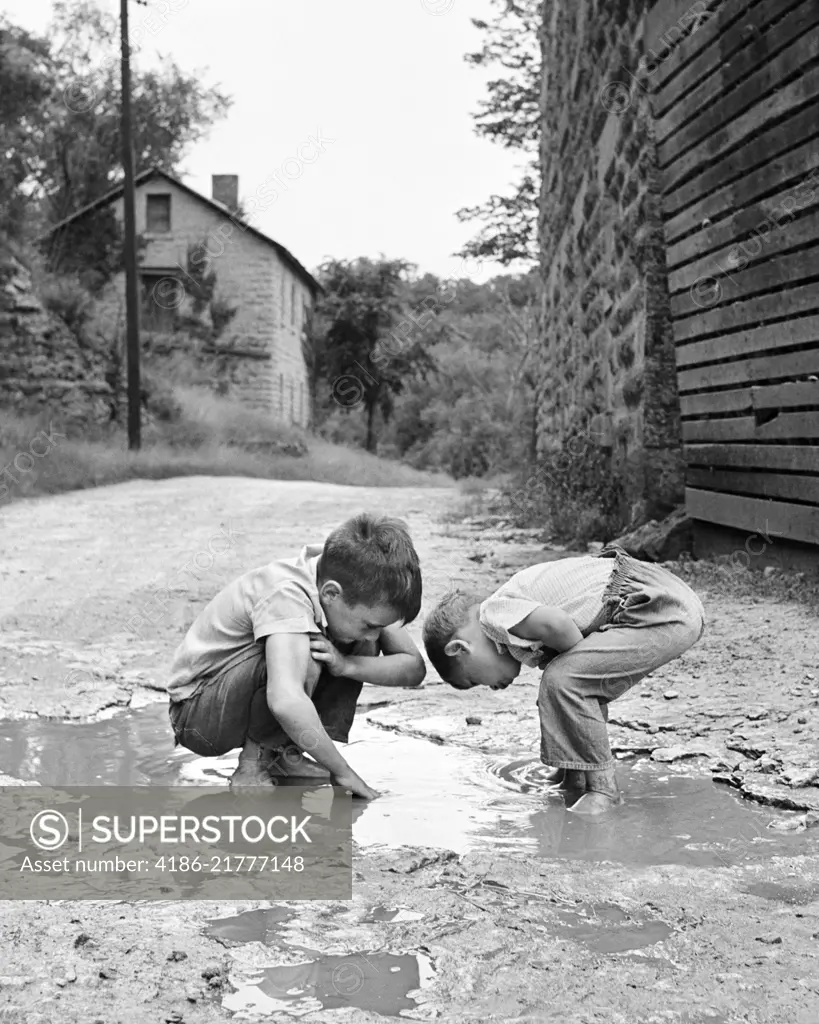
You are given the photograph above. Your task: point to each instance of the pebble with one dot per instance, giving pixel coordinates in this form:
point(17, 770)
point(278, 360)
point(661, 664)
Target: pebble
point(177, 955)
point(770, 940)
point(473, 720)
point(755, 716)
point(191, 995)
point(671, 694)
point(802, 719)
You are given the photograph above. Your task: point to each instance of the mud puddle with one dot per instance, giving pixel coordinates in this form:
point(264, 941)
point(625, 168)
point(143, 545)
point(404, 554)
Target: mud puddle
point(378, 982)
point(440, 796)
point(381, 982)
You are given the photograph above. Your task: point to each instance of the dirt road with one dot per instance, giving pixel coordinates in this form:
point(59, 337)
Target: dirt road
point(97, 587)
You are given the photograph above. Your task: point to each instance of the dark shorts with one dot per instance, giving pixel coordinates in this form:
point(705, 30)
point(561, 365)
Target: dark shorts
point(232, 707)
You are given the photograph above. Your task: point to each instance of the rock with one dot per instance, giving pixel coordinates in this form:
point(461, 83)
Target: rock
point(768, 571)
point(176, 955)
point(473, 720)
point(802, 719)
point(671, 694)
point(191, 995)
point(660, 541)
point(780, 796)
point(798, 778)
point(770, 940)
point(755, 716)
point(678, 752)
point(788, 824)
point(211, 971)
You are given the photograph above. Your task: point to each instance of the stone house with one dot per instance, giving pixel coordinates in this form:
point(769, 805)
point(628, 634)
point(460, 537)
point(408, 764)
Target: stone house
point(260, 350)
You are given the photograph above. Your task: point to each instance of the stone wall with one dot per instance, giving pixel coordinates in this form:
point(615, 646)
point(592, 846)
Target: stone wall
point(43, 366)
point(607, 355)
point(260, 350)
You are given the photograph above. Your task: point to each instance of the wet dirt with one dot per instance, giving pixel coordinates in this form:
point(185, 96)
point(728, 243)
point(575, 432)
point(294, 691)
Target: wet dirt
point(436, 796)
point(683, 909)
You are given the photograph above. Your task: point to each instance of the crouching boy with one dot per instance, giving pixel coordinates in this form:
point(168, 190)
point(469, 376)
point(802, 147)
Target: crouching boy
point(275, 662)
point(596, 624)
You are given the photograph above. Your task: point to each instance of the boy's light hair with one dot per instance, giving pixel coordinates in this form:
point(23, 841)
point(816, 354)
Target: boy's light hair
point(442, 623)
point(374, 561)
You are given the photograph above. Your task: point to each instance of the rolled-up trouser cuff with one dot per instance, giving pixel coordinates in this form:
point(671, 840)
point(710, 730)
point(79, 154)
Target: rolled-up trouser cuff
point(579, 766)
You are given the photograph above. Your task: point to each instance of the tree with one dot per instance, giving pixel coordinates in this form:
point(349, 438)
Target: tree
point(59, 116)
point(365, 346)
point(25, 88)
point(510, 116)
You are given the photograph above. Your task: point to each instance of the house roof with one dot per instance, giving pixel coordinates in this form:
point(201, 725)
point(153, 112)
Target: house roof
point(157, 172)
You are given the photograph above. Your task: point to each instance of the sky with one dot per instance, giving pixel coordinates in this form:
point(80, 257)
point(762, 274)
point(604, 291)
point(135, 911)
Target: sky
point(381, 85)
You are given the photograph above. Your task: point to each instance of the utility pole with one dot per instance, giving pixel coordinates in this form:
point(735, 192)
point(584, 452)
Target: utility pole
point(131, 280)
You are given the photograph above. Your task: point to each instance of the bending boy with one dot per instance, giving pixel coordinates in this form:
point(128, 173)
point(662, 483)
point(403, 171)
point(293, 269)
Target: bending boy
point(275, 662)
point(596, 624)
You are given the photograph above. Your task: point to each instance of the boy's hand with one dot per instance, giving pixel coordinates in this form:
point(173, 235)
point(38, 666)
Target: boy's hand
point(324, 651)
point(356, 785)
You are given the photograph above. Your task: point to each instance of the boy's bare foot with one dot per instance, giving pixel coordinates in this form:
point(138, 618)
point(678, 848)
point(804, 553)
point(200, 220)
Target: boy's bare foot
point(602, 793)
point(593, 804)
point(251, 772)
point(291, 763)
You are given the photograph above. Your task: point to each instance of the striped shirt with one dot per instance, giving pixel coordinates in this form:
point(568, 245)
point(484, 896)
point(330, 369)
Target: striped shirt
point(575, 585)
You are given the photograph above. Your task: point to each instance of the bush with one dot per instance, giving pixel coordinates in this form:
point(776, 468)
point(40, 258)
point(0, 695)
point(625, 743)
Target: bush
point(67, 298)
point(576, 492)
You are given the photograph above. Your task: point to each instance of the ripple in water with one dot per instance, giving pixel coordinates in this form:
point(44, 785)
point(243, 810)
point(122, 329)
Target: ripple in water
point(525, 775)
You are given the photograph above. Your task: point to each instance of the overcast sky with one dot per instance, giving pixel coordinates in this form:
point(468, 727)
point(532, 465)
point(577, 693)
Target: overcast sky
point(385, 80)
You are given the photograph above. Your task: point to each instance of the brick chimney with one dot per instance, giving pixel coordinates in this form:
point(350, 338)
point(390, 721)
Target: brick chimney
point(225, 189)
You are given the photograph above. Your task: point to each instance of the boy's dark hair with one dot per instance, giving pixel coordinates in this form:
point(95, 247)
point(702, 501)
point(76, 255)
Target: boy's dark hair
point(442, 623)
point(374, 561)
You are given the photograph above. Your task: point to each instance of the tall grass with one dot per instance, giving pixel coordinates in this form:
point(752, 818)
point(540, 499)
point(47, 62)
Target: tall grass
point(211, 437)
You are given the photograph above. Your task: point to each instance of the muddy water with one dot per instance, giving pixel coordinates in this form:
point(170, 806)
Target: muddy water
point(432, 795)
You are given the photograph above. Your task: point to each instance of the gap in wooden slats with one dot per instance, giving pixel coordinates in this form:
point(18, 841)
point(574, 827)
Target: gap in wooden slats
point(776, 274)
point(752, 63)
point(756, 515)
point(682, 69)
point(796, 426)
point(789, 334)
point(780, 305)
point(686, 207)
point(792, 457)
point(743, 220)
point(779, 104)
point(793, 487)
point(757, 370)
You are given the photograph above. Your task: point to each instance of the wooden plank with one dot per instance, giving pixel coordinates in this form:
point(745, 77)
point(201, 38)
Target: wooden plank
point(763, 193)
point(787, 426)
point(786, 396)
point(801, 331)
point(687, 63)
point(737, 400)
point(749, 371)
point(782, 270)
point(804, 299)
point(775, 106)
point(752, 237)
point(736, 428)
point(756, 515)
point(729, 184)
point(717, 99)
point(785, 486)
point(797, 457)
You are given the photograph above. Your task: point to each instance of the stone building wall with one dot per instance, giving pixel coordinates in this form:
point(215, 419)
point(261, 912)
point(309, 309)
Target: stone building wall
point(43, 366)
point(607, 366)
point(260, 351)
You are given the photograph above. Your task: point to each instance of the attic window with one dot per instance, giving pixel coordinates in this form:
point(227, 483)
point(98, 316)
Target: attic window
point(158, 214)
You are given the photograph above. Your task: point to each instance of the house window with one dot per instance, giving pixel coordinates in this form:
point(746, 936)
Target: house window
point(162, 295)
point(158, 214)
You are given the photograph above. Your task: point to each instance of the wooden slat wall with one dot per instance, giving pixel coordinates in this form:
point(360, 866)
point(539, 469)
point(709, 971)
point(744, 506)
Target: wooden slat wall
point(736, 107)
